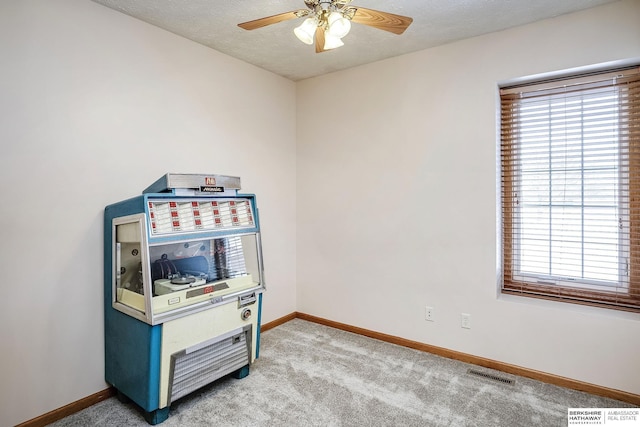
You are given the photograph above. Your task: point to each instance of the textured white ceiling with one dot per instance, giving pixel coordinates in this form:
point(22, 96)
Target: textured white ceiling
point(275, 48)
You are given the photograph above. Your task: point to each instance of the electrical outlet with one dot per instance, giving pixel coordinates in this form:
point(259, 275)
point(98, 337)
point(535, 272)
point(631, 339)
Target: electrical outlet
point(428, 314)
point(465, 320)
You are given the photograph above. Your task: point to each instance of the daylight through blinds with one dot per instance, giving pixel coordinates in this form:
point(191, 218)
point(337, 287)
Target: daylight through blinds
point(570, 187)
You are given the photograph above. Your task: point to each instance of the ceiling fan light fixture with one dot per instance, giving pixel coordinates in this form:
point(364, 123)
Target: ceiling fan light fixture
point(306, 31)
point(339, 26)
point(331, 42)
point(328, 21)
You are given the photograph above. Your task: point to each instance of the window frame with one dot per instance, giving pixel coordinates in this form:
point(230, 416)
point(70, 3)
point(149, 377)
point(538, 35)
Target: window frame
point(625, 295)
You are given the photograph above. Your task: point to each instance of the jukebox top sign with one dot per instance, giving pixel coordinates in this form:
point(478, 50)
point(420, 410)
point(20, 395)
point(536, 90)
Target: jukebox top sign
point(189, 243)
point(176, 182)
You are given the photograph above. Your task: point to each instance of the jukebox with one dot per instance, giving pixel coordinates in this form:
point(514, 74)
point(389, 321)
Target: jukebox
point(183, 289)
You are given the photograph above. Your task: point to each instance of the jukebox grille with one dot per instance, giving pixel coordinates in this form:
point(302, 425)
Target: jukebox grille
point(191, 370)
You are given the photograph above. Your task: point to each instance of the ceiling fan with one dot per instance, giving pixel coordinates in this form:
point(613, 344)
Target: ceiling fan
point(330, 20)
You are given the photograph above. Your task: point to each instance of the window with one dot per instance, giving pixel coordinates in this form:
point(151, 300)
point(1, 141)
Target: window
point(570, 181)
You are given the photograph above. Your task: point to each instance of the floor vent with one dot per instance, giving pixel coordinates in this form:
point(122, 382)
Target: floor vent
point(492, 377)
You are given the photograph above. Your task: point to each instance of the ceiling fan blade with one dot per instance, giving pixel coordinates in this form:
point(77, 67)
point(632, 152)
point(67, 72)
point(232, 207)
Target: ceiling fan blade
point(381, 20)
point(319, 39)
point(263, 22)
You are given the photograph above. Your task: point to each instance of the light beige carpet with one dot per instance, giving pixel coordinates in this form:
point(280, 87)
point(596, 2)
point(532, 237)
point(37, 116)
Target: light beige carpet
point(313, 375)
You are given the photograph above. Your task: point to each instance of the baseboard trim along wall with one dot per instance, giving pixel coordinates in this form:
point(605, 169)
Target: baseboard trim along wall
point(481, 361)
point(70, 409)
point(278, 322)
point(77, 406)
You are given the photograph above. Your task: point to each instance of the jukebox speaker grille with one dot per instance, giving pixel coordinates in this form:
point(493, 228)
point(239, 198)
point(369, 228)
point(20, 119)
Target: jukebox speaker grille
point(199, 366)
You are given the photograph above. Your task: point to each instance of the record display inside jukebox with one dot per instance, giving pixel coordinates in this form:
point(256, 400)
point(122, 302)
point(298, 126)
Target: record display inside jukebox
point(186, 272)
point(183, 289)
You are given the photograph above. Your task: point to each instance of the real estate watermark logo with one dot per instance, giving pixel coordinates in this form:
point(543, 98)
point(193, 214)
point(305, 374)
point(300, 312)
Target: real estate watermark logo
point(622, 417)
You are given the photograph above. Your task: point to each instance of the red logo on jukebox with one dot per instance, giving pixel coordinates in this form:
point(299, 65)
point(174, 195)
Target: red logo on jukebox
point(209, 180)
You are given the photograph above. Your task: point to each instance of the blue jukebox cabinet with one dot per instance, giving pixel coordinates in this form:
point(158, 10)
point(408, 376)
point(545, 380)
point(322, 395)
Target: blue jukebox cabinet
point(183, 289)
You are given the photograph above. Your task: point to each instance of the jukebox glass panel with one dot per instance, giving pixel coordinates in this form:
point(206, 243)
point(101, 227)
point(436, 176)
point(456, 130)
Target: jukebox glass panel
point(187, 272)
point(128, 265)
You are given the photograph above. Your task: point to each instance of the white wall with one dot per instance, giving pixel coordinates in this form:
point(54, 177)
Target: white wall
point(397, 213)
point(95, 106)
point(397, 200)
